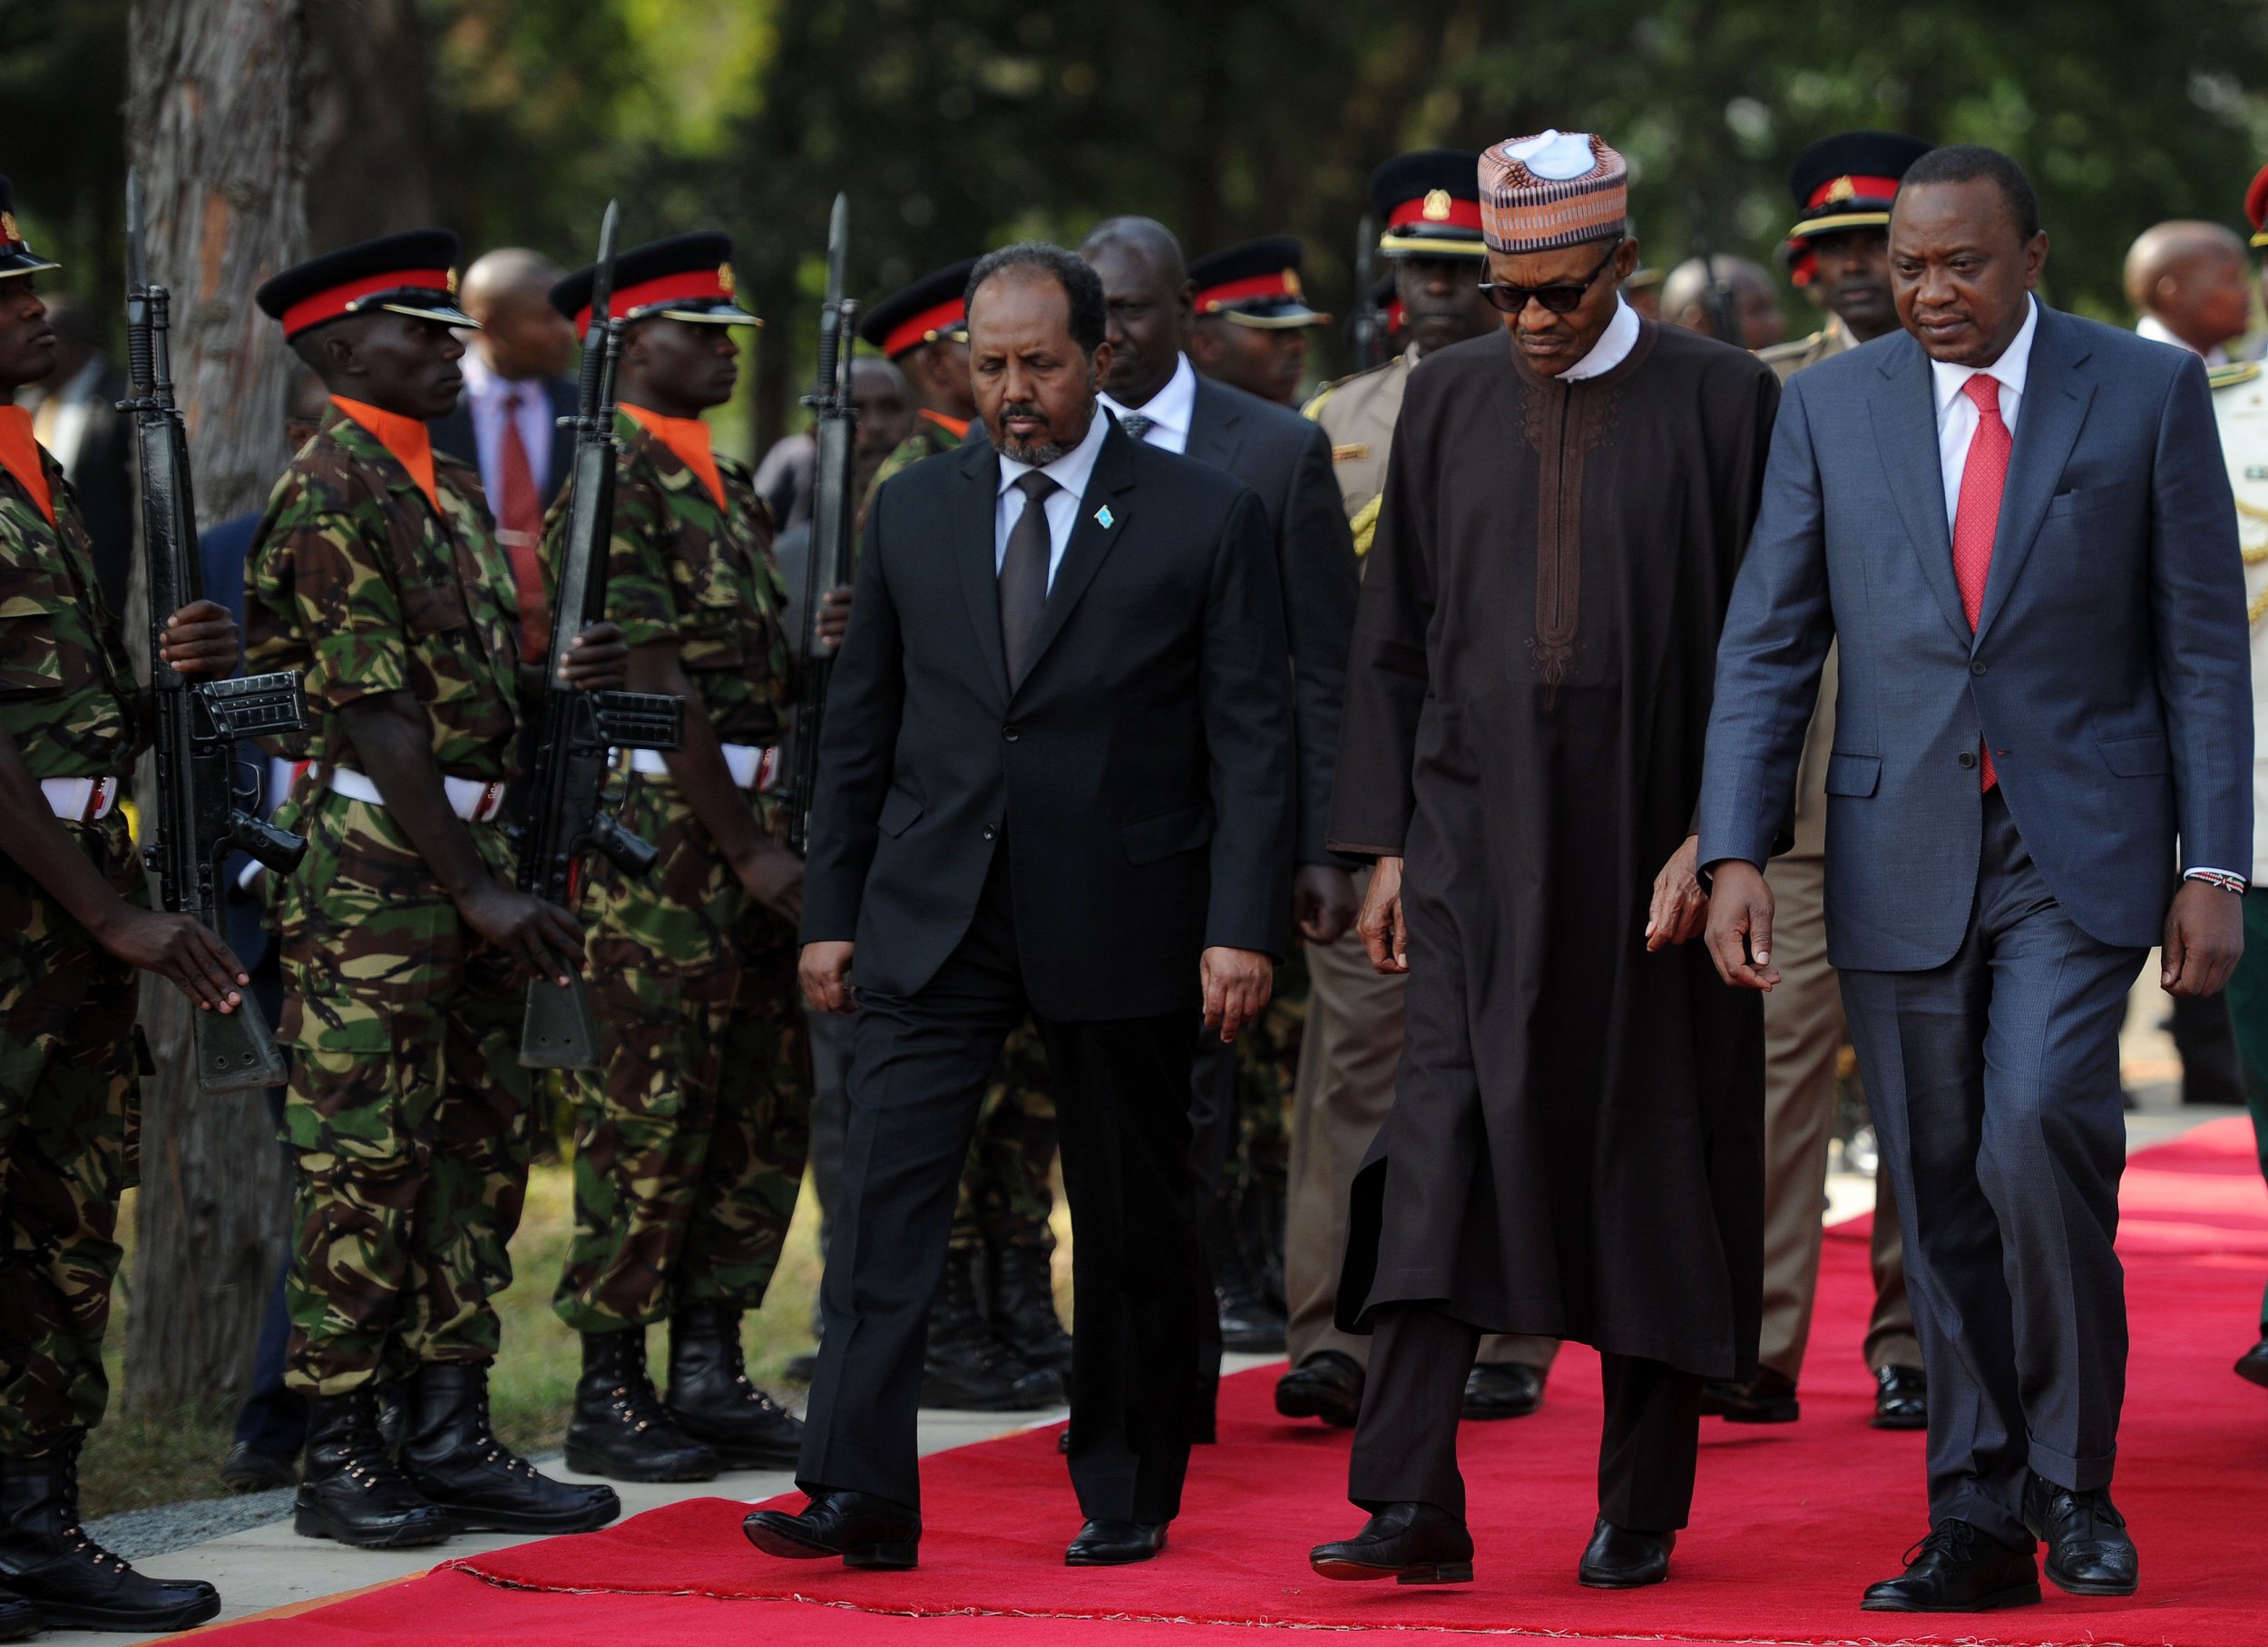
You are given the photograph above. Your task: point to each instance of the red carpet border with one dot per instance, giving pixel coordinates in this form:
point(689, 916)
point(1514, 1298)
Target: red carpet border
point(1791, 1523)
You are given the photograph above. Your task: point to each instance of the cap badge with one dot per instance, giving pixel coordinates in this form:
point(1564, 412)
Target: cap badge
point(1842, 188)
point(7, 227)
point(1291, 281)
point(1436, 209)
point(453, 283)
point(724, 277)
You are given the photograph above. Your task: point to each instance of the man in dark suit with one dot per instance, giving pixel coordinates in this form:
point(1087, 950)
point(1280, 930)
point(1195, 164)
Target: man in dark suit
point(1055, 782)
point(2017, 527)
point(1160, 398)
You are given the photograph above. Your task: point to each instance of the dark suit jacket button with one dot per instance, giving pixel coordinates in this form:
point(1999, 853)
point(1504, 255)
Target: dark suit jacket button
point(1968, 758)
point(1009, 733)
point(1976, 669)
point(990, 833)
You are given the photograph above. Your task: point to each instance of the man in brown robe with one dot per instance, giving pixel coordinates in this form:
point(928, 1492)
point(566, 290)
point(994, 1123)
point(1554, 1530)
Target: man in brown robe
point(1574, 1148)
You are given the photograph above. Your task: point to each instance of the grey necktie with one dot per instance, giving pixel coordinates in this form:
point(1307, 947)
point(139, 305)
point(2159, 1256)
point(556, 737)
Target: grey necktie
point(1136, 425)
point(1024, 573)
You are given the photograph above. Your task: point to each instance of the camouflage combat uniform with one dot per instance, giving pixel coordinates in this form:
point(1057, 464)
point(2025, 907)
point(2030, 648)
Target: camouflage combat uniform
point(690, 1138)
point(408, 1112)
point(68, 1051)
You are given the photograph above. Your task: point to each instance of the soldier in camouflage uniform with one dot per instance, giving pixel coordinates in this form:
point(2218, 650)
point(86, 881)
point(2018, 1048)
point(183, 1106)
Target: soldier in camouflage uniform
point(995, 1341)
point(690, 1138)
point(75, 926)
point(376, 572)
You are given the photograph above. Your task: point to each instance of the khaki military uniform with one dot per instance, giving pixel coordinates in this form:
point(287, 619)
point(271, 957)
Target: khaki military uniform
point(69, 1092)
point(691, 1137)
point(1352, 1042)
point(1804, 1035)
point(408, 1113)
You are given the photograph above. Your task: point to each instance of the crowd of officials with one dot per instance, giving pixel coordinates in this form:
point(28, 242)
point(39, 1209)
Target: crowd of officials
point(1285, 817)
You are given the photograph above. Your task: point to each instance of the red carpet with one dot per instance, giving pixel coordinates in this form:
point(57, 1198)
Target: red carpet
point(1790, 1523)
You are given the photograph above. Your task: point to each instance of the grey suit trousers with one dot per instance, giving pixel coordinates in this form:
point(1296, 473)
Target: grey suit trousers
point(1994, 1080)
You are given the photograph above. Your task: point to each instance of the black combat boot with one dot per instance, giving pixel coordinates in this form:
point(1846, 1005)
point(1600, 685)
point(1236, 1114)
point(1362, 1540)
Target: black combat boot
point(968, 1367)
point(620, 1428)
point(712, 1399)
point(19, 1620)
point(1248, 1320)
point(1262, 1211)
point(350, 1488)
point(1020, 1288)
point(452, 1457)
point(56, 1575)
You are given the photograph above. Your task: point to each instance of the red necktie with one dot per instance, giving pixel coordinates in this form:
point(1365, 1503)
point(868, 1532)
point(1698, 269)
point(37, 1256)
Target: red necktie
point(1976, 517)
point(520, 511)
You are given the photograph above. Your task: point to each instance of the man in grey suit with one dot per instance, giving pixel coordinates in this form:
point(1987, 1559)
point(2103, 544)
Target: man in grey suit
point(2016, 526)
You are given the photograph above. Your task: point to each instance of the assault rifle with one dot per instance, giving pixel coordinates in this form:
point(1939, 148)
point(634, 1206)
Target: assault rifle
point(197, 822)
point(834, 421)
point(577, 731)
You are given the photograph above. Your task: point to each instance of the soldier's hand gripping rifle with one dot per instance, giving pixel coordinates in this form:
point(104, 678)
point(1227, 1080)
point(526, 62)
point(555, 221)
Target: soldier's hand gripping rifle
point(576, 731)
point(833, 508)
point(196, 823)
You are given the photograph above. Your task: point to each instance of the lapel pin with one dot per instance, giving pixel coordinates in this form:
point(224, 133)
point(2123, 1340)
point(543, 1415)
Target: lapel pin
point(1105, 519)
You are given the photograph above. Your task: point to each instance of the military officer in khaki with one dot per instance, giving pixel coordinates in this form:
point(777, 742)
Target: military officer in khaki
point(1842, 186)
point(1429, 204)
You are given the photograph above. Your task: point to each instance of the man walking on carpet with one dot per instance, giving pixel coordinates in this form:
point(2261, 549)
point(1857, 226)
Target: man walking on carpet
point(2015, 527)
point(1576, 1143)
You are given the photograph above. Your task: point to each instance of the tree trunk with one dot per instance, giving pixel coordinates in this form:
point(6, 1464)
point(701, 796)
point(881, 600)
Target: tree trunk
point(213, 112)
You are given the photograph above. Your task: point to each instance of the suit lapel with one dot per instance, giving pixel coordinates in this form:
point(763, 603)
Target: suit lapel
point(1904, 408)
point(2056, 399)
point(974, 517)
point(1214, 431)
point(1091, 541)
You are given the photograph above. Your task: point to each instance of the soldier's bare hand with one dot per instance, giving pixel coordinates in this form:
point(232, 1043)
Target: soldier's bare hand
point(773, 876)
point(1385, 936)
point(541, 938)
point(176, 946)
point(200, 642)
point(835, 608)
point(825, 972)
point(1323, 902)
point(2204, 940)
point(1740, 926)
point(1236, 985)
point(596, 660)
point(1679, 911)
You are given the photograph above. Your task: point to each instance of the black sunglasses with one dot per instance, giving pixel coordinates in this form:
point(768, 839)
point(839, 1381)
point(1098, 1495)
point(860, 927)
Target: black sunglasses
point(1561, 297)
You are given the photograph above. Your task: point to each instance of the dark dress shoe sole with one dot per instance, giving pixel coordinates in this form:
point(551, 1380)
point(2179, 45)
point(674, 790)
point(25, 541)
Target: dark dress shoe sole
point(2253, 1369)
point(777, 1533)
point(2090, 1586)
point(407, 1535)
point(1334, 1407)
point(1899, 1420)
point(1112, 1556)
point(2015, 1595)
point(1595, 1578)
point(66, 1615)
point(586, 1462)
point(1763, 1412)
point(1417, 1572)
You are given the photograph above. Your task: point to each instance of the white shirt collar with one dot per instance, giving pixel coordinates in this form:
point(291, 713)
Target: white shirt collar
point(480, 380)
point(2011, 368)
point(1172, 408)
point(2157, 331)
point(1071, 470)
point(1613, 347)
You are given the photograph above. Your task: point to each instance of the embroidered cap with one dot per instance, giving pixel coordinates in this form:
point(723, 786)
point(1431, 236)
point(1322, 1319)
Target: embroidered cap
point(1555, 189)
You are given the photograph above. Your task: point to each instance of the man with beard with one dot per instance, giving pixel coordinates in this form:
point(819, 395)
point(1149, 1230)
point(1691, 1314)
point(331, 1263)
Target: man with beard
point(1841, 254)
point(1055, 784)
point(1429, 203)
point(1249, 317)
point(1575, 1146)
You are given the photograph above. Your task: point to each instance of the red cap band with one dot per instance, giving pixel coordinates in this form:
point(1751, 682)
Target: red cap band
point(667, 289)
point(339, 299)
point(1853, 189)
point(1284, 283)
point(1461, 214)
point(922, 328)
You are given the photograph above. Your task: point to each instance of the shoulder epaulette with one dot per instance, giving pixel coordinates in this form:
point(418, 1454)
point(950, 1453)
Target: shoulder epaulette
point(1313, 410)
point(2233, 374)
point(1791, 350)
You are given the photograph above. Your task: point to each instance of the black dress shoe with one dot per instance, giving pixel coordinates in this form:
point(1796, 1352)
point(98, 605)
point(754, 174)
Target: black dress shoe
point(18, 1619)
point(2089, 1551)
point(1411, 1544)
point(1328, 1385)
point(864, 1530)
point(1901, 1399)
point(247, 1469)
point(455, 1460)
point(1115, 1543)
point(52, 1570)
point(1769, 1398)
point(620, 1429)
point(1619, 1558)
point(1502, 1389)
point(2252, 1365)
point(353, 1490)
point(1958, 1569)
point(713, 1399)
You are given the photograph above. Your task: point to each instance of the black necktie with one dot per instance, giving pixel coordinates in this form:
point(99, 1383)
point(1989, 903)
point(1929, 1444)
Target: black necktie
point(1024, 573)
point(1136, 425)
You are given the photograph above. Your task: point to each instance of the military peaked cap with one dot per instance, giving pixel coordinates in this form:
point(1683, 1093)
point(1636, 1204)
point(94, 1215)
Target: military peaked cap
point(931, 309)
point(1255, 283)
point(1428, 204)
point(411, 273)
point(16, 256)
point(682, 278)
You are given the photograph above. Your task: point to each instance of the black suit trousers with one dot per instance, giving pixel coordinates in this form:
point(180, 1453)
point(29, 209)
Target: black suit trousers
point(918, 1074)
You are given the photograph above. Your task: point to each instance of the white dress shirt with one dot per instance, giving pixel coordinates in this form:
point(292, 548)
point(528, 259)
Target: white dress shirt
point(484, 396)
point(1613, 347)
point(1169, 411)
point(1957, 414)
point(1070, 473)
point(2157, 331)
